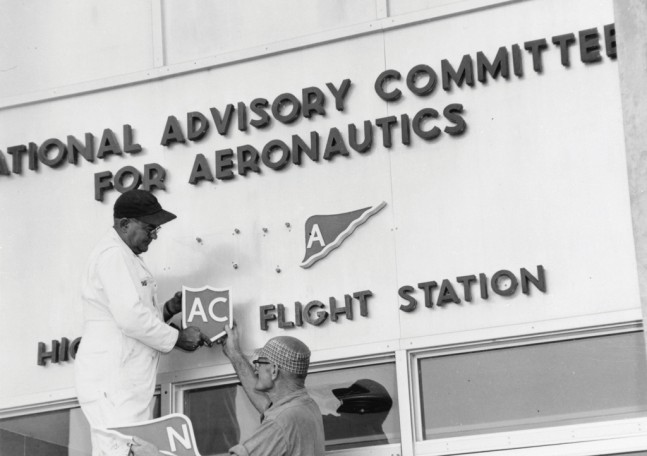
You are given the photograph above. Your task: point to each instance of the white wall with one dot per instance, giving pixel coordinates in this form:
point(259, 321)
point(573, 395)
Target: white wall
point(48, 45)
point(230, 26)
point(632, 17)
point(539, 177)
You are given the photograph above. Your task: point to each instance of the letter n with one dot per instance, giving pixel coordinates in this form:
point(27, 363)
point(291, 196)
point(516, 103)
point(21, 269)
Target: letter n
point(173, 435)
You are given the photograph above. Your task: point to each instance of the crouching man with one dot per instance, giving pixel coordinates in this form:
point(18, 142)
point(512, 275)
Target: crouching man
point(291, 423)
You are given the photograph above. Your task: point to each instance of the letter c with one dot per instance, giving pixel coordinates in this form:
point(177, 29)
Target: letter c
point(379, 85)
point(213, 315)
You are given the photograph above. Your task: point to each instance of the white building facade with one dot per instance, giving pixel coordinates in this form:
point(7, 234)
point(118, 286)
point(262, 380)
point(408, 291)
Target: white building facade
point(443, 199)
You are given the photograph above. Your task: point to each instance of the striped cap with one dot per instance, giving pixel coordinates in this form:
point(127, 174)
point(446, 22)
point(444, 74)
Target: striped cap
point(289, 353)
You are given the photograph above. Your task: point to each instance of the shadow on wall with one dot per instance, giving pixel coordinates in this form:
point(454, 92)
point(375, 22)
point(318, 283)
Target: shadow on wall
point(358, 421)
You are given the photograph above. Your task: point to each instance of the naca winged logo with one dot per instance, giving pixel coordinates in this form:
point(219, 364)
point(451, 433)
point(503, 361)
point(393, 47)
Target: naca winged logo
point(172, 434)
point(210, 309)
point(324, 233)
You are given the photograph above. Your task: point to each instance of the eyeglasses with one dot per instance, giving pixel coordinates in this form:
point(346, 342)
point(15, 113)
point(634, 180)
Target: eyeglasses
point(258, 362)
point(150, 230)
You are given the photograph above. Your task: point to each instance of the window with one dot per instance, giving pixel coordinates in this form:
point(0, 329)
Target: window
point(220, 415)
point(58, 433)
point(359, 408)
point(63, 432)
point(565, 382)
point(359, 405)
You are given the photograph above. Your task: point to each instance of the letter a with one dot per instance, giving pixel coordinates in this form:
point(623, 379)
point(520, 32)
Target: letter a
point(172, 131)
point(197, 309)
point(315, 236)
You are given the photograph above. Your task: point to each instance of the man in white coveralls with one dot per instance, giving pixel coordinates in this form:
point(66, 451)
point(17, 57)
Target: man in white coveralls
point(124, 327)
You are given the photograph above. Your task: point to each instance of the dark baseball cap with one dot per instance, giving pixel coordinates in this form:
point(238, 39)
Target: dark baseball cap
point(143, 206)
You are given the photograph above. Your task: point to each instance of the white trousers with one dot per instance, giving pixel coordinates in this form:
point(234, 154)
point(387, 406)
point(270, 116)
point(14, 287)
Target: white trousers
point(103, 414)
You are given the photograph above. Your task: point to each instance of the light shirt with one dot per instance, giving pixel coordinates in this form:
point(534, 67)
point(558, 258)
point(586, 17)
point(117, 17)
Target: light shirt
point(123, 331)
point(291, 427)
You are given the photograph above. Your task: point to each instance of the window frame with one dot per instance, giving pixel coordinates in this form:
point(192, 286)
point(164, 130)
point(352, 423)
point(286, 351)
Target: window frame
point(191, 382)
point(602, 437)
point(40, 407)
point(598, 438)
point(58, 405)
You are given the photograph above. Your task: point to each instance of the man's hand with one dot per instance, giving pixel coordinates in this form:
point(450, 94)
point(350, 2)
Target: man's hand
point(191, 338)
point(143, 448)
point(173, 306)
point(229, 342)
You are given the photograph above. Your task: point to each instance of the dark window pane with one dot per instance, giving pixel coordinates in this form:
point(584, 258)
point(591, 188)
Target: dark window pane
point(550, 384)
point(157, 406)
point(214, 417)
